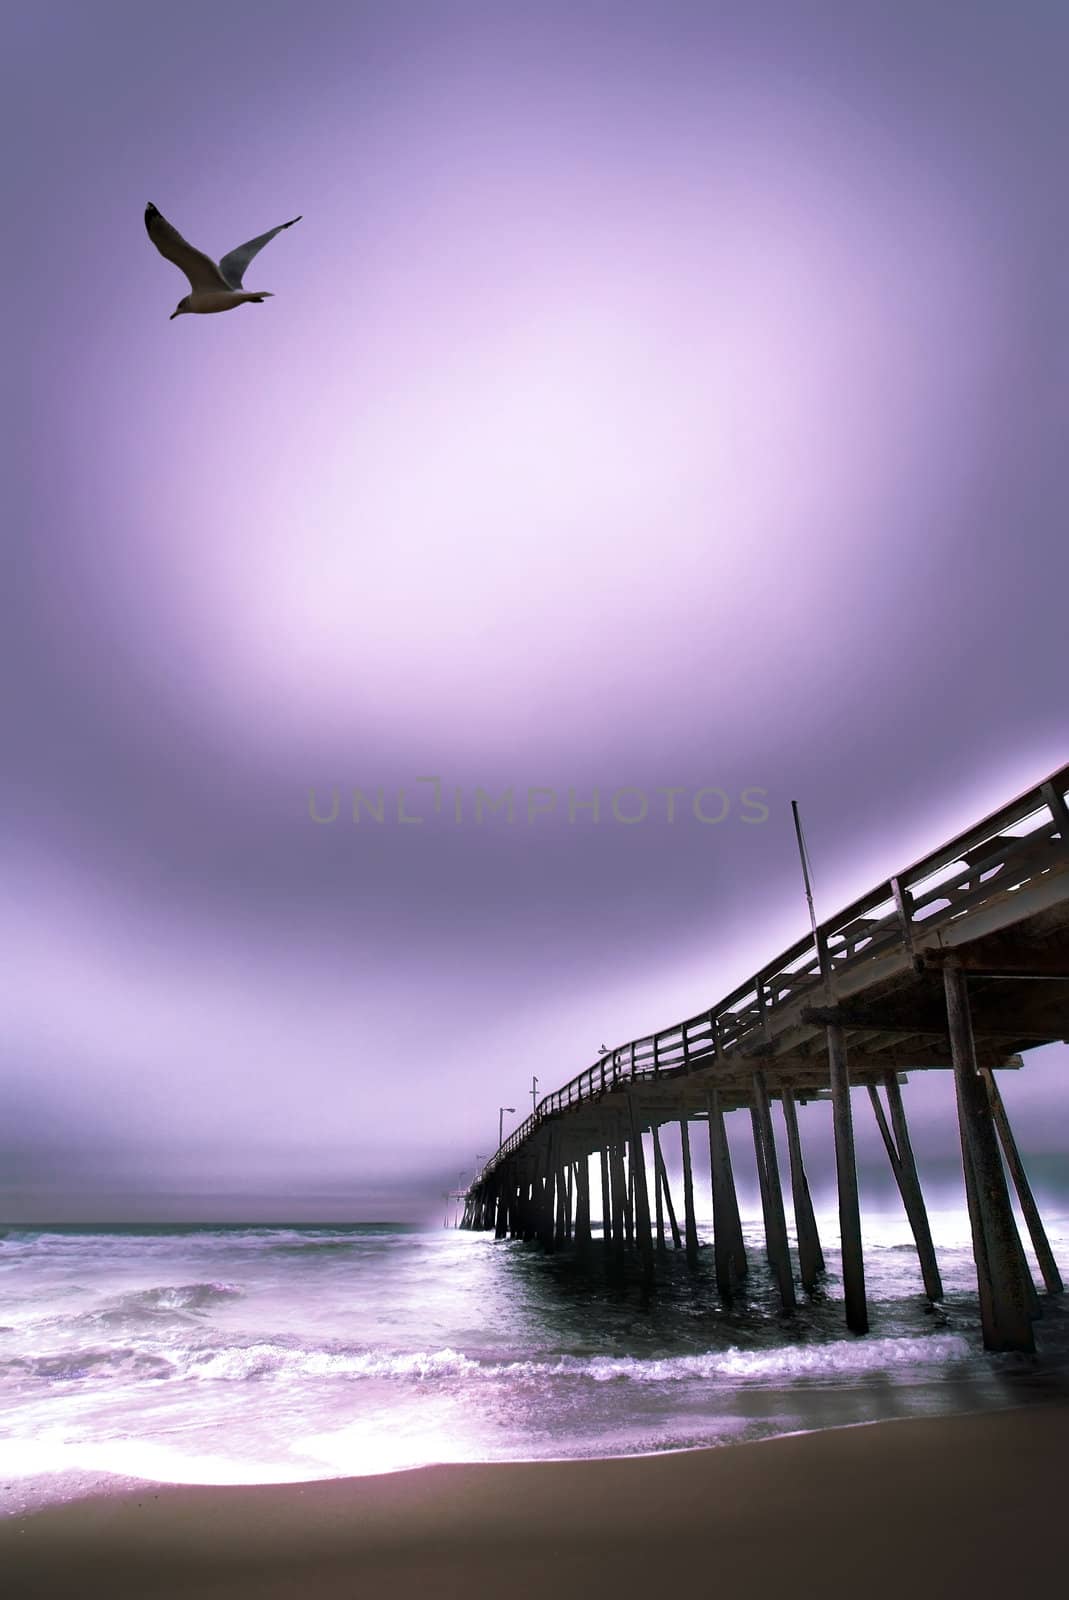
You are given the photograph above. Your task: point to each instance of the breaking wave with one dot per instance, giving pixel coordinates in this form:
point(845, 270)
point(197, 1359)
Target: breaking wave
point(829, 1363)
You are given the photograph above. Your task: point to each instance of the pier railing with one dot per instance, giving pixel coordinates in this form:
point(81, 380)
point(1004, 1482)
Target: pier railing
point(1012, 847)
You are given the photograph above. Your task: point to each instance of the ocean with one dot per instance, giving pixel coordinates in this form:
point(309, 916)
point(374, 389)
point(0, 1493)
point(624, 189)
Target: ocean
point(282, 1354)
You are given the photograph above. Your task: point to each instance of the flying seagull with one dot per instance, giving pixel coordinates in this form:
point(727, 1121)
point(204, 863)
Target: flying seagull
point(215, 287)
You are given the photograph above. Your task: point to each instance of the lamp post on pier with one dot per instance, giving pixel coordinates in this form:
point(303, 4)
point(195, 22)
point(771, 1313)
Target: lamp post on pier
point(501, 1123)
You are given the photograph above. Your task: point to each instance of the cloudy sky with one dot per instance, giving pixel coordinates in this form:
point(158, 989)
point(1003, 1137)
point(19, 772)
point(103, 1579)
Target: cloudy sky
point(654, 396)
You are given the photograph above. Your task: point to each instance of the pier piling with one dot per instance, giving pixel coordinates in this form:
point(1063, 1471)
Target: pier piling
point(642, 1200)
point(857, 1313)
point(810, 1255)
point(1052, 1279)
point(662, 1179)
point(772, 1193)
point(728, 1248)
point(689, 1222)
point(904, 1166)
point(657, 1195)
point(1005, 1309)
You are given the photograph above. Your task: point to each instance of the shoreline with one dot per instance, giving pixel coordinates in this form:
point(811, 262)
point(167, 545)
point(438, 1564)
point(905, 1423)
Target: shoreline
point(967, 1501)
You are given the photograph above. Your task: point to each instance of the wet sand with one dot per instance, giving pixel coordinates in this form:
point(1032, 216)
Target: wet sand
point(948, 1507)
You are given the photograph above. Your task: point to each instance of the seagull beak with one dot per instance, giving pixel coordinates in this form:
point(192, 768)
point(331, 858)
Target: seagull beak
point(172, 316)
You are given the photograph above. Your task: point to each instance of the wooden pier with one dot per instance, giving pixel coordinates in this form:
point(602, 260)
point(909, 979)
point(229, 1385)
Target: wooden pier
point(958, 963)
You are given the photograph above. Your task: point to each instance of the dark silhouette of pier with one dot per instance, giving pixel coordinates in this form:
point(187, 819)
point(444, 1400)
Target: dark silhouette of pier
point(960, 962)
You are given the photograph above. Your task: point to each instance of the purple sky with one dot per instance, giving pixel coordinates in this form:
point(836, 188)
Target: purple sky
point(654, 395)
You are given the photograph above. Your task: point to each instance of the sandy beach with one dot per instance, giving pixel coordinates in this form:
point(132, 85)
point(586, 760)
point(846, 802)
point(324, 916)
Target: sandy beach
point(959, 1505)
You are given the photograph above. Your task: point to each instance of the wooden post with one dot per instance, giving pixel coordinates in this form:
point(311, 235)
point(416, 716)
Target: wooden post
point(661, 1177)
point(502, 1228)
point(1007, 1323)
point(569, 1196)
point(546, 1196)
point(775, 1220)
point(857, 1315)
point(619, 1196)
point(629, 1204)
point(658, 1162)
point(582, 1204)
point(762, 1180)
point(983, 1267)
point(560, 1195)
point(810, 1255)
point(904, 1166)
point(728, 1247)
point(1052, 1279)
point(606, 1203)
point(642, 1198)
point(689, 1222)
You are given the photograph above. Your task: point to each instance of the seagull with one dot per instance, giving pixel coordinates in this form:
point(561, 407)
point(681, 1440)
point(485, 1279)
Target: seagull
point(215, 287)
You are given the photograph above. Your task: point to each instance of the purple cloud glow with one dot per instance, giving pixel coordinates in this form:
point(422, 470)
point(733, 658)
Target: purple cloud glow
point(651, 396)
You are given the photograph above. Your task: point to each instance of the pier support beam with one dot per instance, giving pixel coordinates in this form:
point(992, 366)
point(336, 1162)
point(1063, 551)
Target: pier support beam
point(904, 1166)
point(606, 1203)
point(619, 1197)
point(643, 1234)
point(772, 1192)
point(1052, 1279)
point(657, 1195)
point(582, 1204)
point(689, 1223)
point(857, 1315)
point(662, 1180)
point(728, 1248)
point(530, 1205)
point(557, 1191)
point(546, 1194)
point(810, 1255)
point(1005, 1310)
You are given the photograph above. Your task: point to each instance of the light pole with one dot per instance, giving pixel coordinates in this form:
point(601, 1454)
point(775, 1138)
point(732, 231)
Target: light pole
point(534, 1095)
point(501, 1123)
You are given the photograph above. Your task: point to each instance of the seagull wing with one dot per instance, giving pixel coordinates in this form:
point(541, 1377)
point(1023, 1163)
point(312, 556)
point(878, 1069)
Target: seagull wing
point(200, 269)
point(234, 263)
